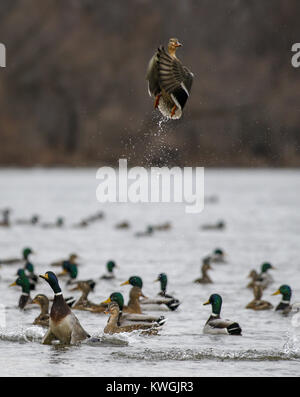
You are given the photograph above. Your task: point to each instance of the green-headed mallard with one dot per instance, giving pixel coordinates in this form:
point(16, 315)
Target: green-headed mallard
point(169, 82)
point(83, 303)
point(126, 317)
point(164, 299)
point(285, 304)
point(265, 278)
point(218, 256)
point(215, 325)
point(134, 294)
point(26, 252)
point(148, 232)
point(21, 273)
point(63, 324)
point(257, 303)
point(25, 298)
point(110, 265)
point(112, 326)
point(205, 279)
point(34, 220)
point(43, 317)
point(58, 223)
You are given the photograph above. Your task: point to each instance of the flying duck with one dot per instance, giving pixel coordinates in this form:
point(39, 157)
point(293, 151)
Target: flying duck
point(169, 82)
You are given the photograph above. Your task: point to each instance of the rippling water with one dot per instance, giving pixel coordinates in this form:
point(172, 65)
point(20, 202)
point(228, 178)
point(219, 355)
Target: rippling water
point(261, 210)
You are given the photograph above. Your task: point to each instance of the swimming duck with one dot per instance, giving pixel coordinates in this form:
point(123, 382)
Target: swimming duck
point(110, 265)
point(58, 223)
point(25, 257)
point(32, 221)
point(72, 259)
point(162, 226)
point(218, 226)
point(43, 317)
point(265, 278)
point(134, 294)
point(25, 298)
point(257, 303)
point(284, 306)
point(169, 82)
point(148, 232)
point(165, 299)
point(63, 324)
point(83, 303)
point(112, 326)
point(218, 256)
point(69, 269)
point(205, 279)
point(254, 276)
point(123, 225)
point(21, 273)
point(126, 317)
point(215, 325)
point(6, 218)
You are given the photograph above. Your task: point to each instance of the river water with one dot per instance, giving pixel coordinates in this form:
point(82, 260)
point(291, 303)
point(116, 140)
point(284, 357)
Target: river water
point(261, 211)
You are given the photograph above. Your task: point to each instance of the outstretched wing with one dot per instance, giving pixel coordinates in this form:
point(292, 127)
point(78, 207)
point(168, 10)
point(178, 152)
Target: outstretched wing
point(152, 76)
point(175, 79)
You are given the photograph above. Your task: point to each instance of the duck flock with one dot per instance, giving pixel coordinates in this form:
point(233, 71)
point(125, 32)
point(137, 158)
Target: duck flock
point(61, 324)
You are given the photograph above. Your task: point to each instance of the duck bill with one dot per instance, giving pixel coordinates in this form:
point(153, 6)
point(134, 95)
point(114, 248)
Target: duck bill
point(44, 276)
point(34, 301)
point(276, 293)
point(107, 301)
point(125, 283)
point(206, 303)
point(63, 273)
point(13, 284)
point(178, 44)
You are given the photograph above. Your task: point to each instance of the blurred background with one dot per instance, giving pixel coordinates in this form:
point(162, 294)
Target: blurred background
point(74, 90)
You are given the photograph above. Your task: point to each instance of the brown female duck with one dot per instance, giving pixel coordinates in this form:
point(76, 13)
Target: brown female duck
point(112, 326)
point(169, 82)
point(43, 302)
point(257, 303)
point(205, 279)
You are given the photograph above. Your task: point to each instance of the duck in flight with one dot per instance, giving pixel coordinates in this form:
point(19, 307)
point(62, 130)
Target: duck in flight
point(169, 82)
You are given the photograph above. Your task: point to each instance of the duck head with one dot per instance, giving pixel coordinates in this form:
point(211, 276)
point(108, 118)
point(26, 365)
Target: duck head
point(69, 268)
point(215, 301)
point(163, 279)
point(173, 45)
point(22, 282)
point(51, 279)
point(285, 291)
point(116, 297)
point(26, 252)
point(266, 266)
point(42, 301)
point(135, 281)
point(110, 266)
